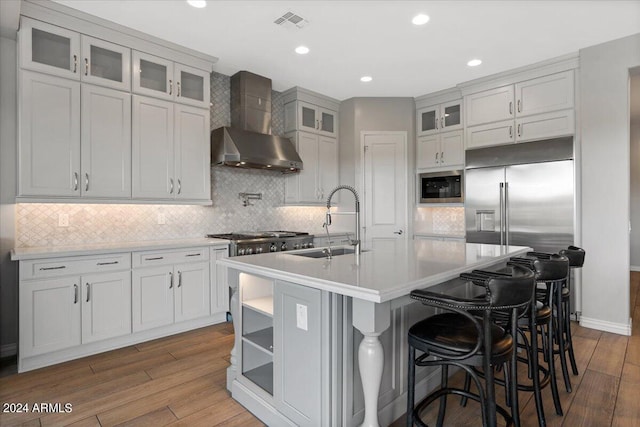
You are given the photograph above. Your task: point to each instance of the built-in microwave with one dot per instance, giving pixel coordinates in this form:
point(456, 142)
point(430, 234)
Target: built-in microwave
point(441, 187)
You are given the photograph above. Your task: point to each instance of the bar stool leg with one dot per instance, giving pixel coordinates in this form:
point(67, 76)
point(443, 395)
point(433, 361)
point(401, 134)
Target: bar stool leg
point(560, 334)
point(411, 386)
point(537, 393)
point(552, 368)
point(444, 381)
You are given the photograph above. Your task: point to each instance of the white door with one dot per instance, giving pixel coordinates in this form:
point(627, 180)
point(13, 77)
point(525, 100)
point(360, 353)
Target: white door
point(105, 143)
point(192, 159)
point(152, 297)
point(191, 291)
point(106, 306)
point(385, 185)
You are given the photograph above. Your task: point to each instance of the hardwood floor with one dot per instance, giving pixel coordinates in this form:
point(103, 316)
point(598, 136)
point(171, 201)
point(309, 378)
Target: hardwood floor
point(181, 380)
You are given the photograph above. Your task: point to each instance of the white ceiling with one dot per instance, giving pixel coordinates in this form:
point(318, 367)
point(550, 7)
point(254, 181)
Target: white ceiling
point(349, 39)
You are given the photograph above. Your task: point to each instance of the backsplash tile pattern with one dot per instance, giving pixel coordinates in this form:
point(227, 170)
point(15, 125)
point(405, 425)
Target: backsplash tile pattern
point(37, 223)
point(437, 220)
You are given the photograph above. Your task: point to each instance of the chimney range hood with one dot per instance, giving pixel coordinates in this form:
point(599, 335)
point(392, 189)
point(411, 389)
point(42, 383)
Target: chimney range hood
point(248, 143)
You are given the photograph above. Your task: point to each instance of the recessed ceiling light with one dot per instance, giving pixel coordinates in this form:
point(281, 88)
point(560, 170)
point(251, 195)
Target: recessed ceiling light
point(366, 79)
point(197, 3)
point(420, 19)
point(302, 50)
point(474, 63)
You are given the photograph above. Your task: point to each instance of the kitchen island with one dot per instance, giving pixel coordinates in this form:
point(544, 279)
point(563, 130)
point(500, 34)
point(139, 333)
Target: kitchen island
point(322, 341)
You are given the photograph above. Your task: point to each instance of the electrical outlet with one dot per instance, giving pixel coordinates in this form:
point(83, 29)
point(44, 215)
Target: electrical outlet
point(162, 219)
point(301, 317)
point(63, 220)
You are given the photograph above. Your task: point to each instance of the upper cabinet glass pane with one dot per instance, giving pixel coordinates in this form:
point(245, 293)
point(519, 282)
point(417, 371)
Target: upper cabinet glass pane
point(106, 64)
point(327, 122)
point(308, 117)
point(50, 49)
point(452, 115)
point(153, 76)
point(428, 120)
point(191, 86)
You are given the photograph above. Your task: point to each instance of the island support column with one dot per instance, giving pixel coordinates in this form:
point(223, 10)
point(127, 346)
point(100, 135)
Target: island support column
point(371, 319)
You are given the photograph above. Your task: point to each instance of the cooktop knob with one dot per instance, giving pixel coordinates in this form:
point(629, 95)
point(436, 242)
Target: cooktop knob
point(241, 251)
point(310, 245)
point(249, 251)
point(283, 247)
point(259, 250)
point(296, 246)
point(273, 248)
point(304, 246)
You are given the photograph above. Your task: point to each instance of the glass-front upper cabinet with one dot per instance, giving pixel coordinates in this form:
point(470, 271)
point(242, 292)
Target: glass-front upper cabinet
point(161, 78)
point(106, 64)
point(439, 118)
point(427, 120)
point(312, 118)
point(152, 76)
point(49, 49)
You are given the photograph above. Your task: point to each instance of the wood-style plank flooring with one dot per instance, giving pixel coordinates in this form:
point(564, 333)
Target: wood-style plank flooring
point(181, 380)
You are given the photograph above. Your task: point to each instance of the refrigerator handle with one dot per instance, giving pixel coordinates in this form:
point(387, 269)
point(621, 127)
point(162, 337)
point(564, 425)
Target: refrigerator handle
point(502, 219)
point(506, 213)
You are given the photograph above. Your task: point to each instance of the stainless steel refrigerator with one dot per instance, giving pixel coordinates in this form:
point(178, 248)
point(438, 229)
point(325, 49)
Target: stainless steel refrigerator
point(521, 194)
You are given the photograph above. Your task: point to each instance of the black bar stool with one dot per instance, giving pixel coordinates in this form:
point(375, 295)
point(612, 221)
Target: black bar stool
point(457, 337)
point(576, 260)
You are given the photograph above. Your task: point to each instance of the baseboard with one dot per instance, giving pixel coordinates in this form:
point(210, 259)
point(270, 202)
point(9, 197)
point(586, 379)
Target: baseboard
point(635, 268)
point(603, 325)
point(7, 350)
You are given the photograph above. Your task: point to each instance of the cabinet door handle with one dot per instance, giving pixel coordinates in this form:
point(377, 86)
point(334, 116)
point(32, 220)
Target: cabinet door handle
point(171, 183)
point(88, 291)
point(437, 157)
point(170, 87)
point(179, 186)
point(108, 263)
point(86, 181)
point(75, 181)
point(86, 66)
point(317, 124)
point(442, 122)
point(510, 131)
point(193, 254)
point(442, 157)
point(154, 259)
point(519, 129)
point(320, 127)
point(519, 107)
point(179, 279)
point(75, 63)
point(510, 108)
point(178, 84)
point(75, 294)
point(170, 280)
point(436, 123)
point(53, 268)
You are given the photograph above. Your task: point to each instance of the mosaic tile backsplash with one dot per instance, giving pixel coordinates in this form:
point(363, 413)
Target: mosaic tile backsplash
point(449, 220)
point(37, 224)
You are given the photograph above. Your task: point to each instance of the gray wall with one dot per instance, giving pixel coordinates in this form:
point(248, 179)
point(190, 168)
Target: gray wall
point(8, 138)
point(605, 174)
point(375, 114)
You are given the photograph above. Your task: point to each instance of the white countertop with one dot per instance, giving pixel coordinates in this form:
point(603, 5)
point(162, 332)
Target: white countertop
point(389, 270)
point(19, 254)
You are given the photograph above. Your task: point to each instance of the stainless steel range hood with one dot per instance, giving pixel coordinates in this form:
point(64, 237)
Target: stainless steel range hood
point(248, 143)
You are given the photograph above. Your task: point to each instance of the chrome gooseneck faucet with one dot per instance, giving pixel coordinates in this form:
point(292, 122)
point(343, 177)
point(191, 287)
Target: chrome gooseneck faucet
point(355, 243)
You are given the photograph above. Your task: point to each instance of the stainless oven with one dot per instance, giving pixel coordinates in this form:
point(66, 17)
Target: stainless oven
point(441, 187)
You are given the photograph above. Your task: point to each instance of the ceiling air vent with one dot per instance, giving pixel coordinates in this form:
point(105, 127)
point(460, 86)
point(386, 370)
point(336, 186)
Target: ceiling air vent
point(290, 20)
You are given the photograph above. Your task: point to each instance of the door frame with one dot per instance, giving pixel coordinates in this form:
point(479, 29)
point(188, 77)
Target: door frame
point(362, 173)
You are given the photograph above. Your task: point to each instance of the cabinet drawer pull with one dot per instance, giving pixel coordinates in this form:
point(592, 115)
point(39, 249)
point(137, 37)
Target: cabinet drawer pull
point(53, 268)
point(86, 181)
point(437, 157)
point(108, 263)
point(442, 122)
point(510, 108)
point(519, 107)
point(179, 279)
point(75, 181)
point(193, 254)
point(86, 66)
point(442, 157)
point(436, 123)
point(154, 259)
point(171, 184)
point(170, 280)
point(75, 294)
point(519, 129)
point(510, 131)
point(88, 291)
point(179, 186)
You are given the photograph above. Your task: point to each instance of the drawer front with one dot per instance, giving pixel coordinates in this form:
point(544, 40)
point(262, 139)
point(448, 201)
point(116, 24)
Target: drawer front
point(56, 267)
point(170, 256)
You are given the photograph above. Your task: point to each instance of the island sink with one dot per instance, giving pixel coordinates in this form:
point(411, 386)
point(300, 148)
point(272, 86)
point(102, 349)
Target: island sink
point(322, 253)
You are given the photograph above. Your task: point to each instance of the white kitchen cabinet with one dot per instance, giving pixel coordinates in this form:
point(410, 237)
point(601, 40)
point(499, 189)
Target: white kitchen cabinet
point(219, 283)
point(439, 118)
point(319, 176)
point(170, 287)
point(304, 116)
point(105, 143)
point(439, 151)
point(49, 315)
point(66, 302)
point(106, 305)
point(538, 108)
point(49, 145)
point(170, 150)
point(55, 50)
point(165, 79)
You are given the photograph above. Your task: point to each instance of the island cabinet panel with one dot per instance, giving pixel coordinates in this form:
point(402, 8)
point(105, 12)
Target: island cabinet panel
point(297, 358)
